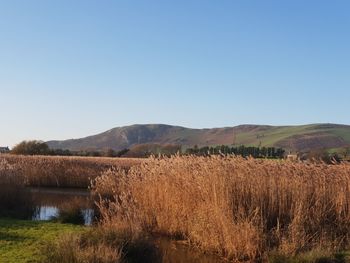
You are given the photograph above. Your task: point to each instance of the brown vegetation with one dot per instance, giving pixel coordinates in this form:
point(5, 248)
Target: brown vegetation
point(71, 212)
point(102, 245)
point(75, 249)
point(148, 149)
point(15, 200)
point(63, 171)
point(242, 209)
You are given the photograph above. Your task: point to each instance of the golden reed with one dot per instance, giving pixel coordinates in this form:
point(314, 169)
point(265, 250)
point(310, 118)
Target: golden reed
point(54, 171)
point(242, 209)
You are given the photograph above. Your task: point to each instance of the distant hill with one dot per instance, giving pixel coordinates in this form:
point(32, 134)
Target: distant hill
point(296, 138)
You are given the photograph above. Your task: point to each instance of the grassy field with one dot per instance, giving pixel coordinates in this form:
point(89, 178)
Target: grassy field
point(23, 241)
point(274, 135)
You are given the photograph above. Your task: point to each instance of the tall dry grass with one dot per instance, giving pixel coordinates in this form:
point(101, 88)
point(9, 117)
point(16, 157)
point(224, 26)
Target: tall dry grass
point(59, 171)
point(101, 245)
point(239, 208)
point(76, 249)
point(15, 200)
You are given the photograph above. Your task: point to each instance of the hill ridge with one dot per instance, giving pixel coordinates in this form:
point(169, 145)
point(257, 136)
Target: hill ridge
point(294, 137)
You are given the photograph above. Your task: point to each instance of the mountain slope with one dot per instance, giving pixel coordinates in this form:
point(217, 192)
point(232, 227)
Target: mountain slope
point(298, 138)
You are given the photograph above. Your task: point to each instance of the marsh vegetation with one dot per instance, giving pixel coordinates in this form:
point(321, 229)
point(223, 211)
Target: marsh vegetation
point(62, 171)
point(223, 207)
point(241, 209)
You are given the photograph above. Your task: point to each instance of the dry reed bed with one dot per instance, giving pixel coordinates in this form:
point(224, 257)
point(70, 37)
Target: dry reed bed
point(14, 199)
point(53, 171)
point(241, 209)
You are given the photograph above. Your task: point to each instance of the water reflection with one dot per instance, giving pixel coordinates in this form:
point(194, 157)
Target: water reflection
point(45, 212)
point(49, 202)
point(175, 251)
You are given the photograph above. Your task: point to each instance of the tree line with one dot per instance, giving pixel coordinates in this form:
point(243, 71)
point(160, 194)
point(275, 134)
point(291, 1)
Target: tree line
point(41, 148)
point(146, 150)
point(245, 151)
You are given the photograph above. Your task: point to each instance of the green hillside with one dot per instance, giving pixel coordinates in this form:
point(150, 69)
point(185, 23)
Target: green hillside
point(295, 138)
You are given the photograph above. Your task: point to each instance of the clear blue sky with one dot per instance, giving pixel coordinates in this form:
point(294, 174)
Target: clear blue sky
point(74, 68)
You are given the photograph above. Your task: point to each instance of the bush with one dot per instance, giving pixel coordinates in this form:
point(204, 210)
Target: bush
point(71, 213)
point(31, 148)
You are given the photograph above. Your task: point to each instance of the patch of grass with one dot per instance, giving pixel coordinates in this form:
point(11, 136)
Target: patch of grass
point(273, 135)
point(22, 241)
point(343, 132)
point(314, 256)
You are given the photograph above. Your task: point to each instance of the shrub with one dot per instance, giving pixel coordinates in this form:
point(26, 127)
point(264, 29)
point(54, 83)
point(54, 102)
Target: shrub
point(31, 148)
point(70, 212)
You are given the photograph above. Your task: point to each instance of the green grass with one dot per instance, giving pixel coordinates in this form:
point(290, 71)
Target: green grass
point(315, 256)
point(276, 134)
point(22, 241)
point(344, 133)
point(272, 135)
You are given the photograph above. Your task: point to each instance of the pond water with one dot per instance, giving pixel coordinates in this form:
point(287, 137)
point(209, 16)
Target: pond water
point(178, 251)
point(49, 201)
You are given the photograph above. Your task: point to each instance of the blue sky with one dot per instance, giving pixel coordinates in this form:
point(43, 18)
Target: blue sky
point(74, 68)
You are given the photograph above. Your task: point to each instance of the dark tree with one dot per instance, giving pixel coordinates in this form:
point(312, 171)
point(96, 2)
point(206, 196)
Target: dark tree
point(31, 148)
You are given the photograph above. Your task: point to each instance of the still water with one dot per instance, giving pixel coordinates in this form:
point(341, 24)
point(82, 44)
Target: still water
point(48, 201)
point(178, 252)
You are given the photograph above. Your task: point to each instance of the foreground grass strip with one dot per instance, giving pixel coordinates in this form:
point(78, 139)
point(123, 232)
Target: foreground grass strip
point(22, 241)
point(314, 256)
